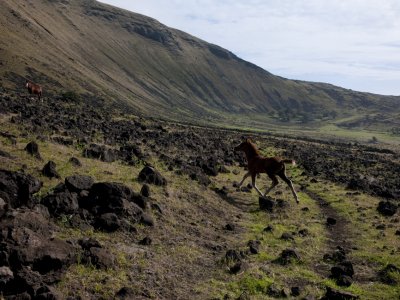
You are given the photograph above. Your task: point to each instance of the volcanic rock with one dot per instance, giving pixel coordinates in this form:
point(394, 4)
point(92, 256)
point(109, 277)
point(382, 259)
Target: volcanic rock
point(101, 258)
point(49, 170)
point(108, 222)
point(152, 176)
point(61, 203)
point(387, 274)
point(100, 152)
point(75, 162)
point(387, 208)
point(33, 149)
point(17, 188)
point(254, 246)
point(288, 256)
point(332, 294)
point(145, 191)
point(266, 203)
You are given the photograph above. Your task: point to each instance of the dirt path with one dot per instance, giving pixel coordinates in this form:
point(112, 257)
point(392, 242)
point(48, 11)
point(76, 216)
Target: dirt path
point(338, 234)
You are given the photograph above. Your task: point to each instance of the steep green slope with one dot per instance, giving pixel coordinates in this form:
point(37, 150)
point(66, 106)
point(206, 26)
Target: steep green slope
point(134, 61)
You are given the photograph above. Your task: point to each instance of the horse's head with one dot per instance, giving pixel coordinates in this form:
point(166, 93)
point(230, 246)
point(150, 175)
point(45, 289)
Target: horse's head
point(248, 147)
point(244, 146)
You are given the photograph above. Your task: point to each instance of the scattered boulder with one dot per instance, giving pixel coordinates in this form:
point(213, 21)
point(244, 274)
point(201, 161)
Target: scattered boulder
point(223, 169)
point(287, 236)
point(254, 246)
point(61, 203)
point(108, 196)
point(266, 203)
point(234, 255)
point(343, 268)
point(100, 152)
point(49, 170)
point(330, 221)
point(343, 273)
point(88, 243)
point(145, 191)
point(288, 256)
point(108, 222)
point(147, 220)
point(75, 162)
point(140, 200)
point(146, 241)
point(17, 188)
point(152, 176)
point(275, 292)
point(33, 149)
point(200, 178)
point(295, 291)
point(337, 256)
point(236, 268)
point(344, 280)
point(31, 254)
point(222, 191)
point(78, 183)
point(129, 150)
point(209, 168)
point(269, 228)
point(303, 232)
point(387, 208)
point(389, 274)
point(101, 258)
point(229, 227)
point(336, 294)
point(125, 293)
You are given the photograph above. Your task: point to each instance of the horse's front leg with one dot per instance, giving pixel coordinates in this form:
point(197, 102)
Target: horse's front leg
point(244, 178)
point(253, 182)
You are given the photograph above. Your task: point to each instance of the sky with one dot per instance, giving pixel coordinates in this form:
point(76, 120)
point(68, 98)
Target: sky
point(354, 44)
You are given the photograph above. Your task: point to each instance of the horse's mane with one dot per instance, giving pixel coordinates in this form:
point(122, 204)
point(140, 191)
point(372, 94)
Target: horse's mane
point(253, 148)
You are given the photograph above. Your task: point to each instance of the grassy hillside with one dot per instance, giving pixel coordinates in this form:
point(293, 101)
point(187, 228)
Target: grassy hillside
point(208, 239)
point(132, 61)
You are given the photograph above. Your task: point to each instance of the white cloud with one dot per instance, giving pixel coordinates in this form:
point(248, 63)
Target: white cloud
point(351, 43)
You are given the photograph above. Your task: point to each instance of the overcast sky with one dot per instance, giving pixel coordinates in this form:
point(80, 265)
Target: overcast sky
point(350, 43)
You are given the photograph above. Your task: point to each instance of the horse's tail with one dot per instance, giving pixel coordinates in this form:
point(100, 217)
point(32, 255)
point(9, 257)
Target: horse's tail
point(289, 161)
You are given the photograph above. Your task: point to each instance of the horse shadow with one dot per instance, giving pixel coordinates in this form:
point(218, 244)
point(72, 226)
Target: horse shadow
point(238, 202)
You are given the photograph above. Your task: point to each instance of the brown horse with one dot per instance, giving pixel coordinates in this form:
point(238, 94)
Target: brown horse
point(34, 89)
point(273, 166)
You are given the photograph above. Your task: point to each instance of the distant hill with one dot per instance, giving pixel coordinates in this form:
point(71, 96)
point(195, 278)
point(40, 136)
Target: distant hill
point(109, 55)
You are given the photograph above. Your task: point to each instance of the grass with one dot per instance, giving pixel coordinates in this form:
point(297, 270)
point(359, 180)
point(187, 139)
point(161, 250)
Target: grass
point(183, 259)
point(372, 249)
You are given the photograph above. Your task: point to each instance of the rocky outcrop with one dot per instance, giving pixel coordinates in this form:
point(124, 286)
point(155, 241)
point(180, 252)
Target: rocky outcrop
point(17, 188)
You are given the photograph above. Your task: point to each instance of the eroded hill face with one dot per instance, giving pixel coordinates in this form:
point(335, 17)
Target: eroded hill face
point(135, 62)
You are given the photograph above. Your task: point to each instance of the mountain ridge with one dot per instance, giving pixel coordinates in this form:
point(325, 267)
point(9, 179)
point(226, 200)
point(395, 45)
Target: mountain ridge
point(134, 62)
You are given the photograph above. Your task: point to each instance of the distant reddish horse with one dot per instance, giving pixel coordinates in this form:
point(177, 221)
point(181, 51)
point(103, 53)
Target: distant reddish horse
point(273, 166)
point(34, 89)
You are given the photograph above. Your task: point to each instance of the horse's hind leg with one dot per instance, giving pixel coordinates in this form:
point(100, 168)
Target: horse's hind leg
point(253, 182)
point(289, 183)
point(273, 184)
